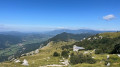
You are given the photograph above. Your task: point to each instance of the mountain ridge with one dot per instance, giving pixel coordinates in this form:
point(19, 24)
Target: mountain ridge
point(79, 31)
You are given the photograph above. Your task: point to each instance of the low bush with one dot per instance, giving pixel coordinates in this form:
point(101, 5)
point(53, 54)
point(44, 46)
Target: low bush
point(75, 59)
point(98, 51)
point(114, 59)
point(55, 54)
point(116, 49)
point(65, 54)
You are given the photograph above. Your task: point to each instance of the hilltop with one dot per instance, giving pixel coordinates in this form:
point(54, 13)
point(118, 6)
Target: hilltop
point(69, 36)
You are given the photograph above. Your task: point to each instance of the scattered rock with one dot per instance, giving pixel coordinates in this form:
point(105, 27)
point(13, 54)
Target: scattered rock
point(89, 39)
point(108, 64)
point(65, 62)
point(48, 57)
point(86, 52)
point(17, 61)
point(84, 38)
point(25, 62)
point(95, 38)
point(118, 55)
point(55, 65)
point(100, 37)
point(108, 56)
point(61, 60)
point(69, 56)
point(37, 51)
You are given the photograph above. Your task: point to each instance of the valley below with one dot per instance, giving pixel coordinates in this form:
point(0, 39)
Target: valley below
point(101, 50)
point(64, 50)
point(59, 33)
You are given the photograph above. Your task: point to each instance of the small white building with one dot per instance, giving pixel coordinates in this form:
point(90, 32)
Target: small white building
point(76, 48)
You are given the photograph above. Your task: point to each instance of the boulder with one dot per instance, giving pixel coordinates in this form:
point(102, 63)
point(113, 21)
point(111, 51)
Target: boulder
point(25, 62)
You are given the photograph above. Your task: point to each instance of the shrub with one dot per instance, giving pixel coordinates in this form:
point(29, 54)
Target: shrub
point(75, 59)
point(72, 54)
point(114, 59)
point(116, 49)
point(55, 54)
point(98, 51)
point(106, 62)
point(65, 54)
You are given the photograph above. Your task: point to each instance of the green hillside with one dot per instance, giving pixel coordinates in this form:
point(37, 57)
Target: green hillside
point(97, 48)
point(111, 34)
point(68, 36)
point(103, 43)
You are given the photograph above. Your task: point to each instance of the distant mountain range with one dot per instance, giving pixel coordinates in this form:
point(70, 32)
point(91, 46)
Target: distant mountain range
point(70, 34)
point(15, 33)
point(5, 37)
point(55, 32)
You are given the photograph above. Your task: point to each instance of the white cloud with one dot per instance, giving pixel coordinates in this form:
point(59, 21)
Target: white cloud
point(108, 17)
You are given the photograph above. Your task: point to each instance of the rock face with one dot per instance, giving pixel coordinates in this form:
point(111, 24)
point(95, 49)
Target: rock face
point(25, 62)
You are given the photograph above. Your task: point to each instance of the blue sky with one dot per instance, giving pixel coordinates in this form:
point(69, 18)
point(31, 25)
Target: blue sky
point(44, 15)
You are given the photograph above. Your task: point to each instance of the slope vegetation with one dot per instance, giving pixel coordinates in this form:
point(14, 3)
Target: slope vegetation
point(100, 42)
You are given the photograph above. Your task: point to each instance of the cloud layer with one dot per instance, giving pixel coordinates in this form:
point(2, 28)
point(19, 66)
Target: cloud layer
point(108, 17)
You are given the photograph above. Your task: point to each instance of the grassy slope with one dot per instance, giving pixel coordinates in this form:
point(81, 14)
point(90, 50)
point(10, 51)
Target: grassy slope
point(110, 35)
point(41, 59)
point(100, 61)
